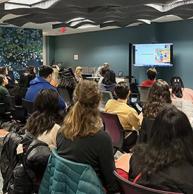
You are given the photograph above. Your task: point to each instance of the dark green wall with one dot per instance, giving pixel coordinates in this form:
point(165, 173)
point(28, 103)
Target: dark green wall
point(50, 50)
point(181, 34)
point(95, 48)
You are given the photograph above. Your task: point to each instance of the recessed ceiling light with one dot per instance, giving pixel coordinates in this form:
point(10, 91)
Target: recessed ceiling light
point(17, 4)
point(26, 2)
point(145, 21)
point(87, 26)
point(169, 6)
point(108, 21)
point(75, 19)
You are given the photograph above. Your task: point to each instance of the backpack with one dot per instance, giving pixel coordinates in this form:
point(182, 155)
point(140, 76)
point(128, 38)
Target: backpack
point(18, 176)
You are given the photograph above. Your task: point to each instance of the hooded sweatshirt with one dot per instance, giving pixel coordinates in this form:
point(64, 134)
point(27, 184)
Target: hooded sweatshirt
point(36, 85)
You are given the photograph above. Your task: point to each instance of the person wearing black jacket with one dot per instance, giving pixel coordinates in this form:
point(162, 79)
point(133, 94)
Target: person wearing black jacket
point(23, 162)
point(38, 133)
point(109, 75)
point(4, 93)
point(81, 138)
point(166, 161)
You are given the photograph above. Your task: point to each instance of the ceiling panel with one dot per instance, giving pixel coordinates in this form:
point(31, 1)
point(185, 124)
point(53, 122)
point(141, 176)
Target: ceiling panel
point(101, 13)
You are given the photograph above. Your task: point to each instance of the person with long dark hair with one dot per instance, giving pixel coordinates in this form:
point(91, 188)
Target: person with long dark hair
point(159, 95)
point(23, 84)
point(45, 122)
point(178, 92)
point(166, 161)
point(23, 174)
point(81, 138)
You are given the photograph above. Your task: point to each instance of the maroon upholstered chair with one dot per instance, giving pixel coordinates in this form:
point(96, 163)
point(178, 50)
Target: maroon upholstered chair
point(128, 187)
point(114, 128)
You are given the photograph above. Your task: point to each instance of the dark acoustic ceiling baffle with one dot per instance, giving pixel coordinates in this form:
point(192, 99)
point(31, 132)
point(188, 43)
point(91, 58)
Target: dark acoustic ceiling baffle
point(103, 13)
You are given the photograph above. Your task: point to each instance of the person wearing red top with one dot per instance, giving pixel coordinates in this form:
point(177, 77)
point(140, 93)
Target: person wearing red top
point(151, 74)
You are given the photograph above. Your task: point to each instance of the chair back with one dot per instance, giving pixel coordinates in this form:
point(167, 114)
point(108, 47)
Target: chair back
point(2, 108)
point(65, 95)
point(12, 101)
point(19, 114)
point(143, 92)
point(104, 87)
point(129, 187)
point(5, 115)
point(106, 95)
point(114, 128)
point(28, 106)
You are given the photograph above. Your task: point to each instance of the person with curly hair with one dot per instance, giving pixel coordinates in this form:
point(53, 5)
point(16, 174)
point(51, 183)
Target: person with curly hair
point(166, 161)
point(159, 95)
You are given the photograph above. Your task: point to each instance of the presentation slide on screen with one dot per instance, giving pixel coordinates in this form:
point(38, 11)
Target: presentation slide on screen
point(152, 55)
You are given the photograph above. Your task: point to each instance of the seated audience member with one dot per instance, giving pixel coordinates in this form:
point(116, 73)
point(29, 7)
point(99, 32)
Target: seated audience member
point(178, 90)
point(109, 77)
point(67, 80)
point(159, 95)
point(54, 82)
point(23, 84)
point(42, 82)
point(151, 74)
point(46, 120)
point(98, 71)
point(28, 75)
point(4, 71)
point(127, 115)
point(166, 161)
point(41, 129)
point(82, 139)
point(4, 94)
point(78, 74)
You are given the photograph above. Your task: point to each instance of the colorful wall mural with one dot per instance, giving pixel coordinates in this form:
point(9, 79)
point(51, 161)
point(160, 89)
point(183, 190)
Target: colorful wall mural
point(20, 48)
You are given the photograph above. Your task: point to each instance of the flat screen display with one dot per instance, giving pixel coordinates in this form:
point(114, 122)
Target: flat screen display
point(153, 54)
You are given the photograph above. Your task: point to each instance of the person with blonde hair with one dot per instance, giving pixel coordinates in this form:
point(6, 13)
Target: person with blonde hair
point(78, 73)
point(54, 82)
point(81, 138)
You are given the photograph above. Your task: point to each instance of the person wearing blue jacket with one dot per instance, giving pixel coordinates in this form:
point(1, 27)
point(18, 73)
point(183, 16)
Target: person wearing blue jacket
point(42, 82)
